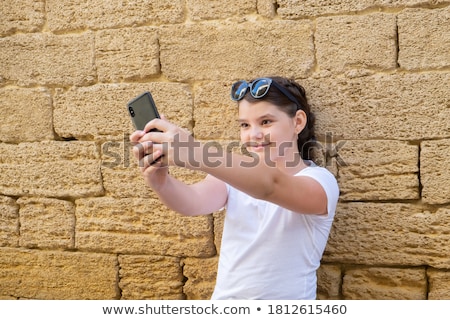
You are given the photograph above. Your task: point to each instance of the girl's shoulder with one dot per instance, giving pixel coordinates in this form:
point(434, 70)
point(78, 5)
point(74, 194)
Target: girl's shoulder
point(321, 174)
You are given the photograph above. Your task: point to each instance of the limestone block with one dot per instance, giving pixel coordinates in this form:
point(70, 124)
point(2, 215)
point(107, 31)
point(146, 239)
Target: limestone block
point(294, 9)
point(352, 42)
point(50, 169)
point(329, 281)
point(71, 62)
point(200, 277)
point(217, 9)
point(410, 106)
point(439, 284)
point(140, 226)
point(385, 284)
point(26, 115)
point(126, 54)
point(215, 114)
point(21, 16)
point(105, 105)
point(57, 275)
point(9, 222)
point(67, 15)
point(435, 171)
point(389, 233)
point(46, 223)
point(150, 277)
point(378, 170)
point(423, 38)
point(224, 51)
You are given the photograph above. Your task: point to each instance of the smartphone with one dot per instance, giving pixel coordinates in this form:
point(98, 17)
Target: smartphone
point(142, 109)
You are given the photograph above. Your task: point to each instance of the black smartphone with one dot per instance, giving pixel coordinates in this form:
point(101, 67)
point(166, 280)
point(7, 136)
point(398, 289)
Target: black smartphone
point(142, 109)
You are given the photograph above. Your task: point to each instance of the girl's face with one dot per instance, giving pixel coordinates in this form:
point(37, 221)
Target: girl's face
point(269, 132)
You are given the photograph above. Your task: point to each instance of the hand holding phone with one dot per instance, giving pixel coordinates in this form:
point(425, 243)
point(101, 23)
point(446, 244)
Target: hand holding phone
point(142, 110)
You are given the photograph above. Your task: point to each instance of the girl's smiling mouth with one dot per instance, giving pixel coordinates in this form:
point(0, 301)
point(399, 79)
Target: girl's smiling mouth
point(257, 146)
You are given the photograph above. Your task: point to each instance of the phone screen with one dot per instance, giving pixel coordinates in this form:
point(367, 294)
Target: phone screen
point(142, 109)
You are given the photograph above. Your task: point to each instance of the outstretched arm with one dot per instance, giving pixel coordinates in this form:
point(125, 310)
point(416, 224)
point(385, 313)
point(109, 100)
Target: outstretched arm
point(256, 178)
point(201, 198)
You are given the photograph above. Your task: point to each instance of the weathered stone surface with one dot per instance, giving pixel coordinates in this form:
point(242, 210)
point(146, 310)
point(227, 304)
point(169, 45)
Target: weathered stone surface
point(216, 9)
point(126, 54)
point(219, 219)
point(106, 106)
point(26, 115)
point(215, 114)
point(67, 15)
point(201, 277)
point(385, 284)
point(267, 8)
point(140, 226)
point(424, 38)
point(351, 40)
point(439, 284)
point(50, 169)
point(260, 48)
point(389, 234)
point(46, 223)
point(378, 170)
point(71, 62)
point(382, 106)
point(56, 275)
point(21, 16)
point(294, 9)
point(329, 281)
point(150, 277)
point(435, 171)
point(9, 222)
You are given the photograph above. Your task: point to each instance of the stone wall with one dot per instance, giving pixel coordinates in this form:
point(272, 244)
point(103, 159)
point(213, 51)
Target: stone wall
point(77, 222)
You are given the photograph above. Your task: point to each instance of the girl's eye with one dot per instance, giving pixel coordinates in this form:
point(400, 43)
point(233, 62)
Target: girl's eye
point(243, 125)
point(266, 122)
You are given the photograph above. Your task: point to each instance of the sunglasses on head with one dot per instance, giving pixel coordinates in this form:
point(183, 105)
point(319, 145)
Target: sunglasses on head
point(258, 89)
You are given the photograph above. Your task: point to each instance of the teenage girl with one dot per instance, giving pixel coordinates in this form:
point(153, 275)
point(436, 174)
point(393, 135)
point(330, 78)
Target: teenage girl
point(279, 204)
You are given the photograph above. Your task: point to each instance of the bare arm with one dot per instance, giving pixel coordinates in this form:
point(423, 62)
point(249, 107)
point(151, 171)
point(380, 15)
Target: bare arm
point(201, 198)
point(256, 178)
point(297, 193)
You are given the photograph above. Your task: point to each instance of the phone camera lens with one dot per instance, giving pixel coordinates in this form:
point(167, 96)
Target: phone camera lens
point(131, 111)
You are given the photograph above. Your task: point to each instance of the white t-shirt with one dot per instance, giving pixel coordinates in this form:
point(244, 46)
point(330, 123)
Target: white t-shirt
point(269, 252)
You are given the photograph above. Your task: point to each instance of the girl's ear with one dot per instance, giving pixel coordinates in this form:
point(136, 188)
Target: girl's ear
point(300, 119)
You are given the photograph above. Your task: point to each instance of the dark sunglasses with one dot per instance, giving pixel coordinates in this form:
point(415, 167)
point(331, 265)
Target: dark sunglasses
point(258, 89)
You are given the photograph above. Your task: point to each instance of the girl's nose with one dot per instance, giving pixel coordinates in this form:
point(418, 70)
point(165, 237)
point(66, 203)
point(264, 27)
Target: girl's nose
point(257, 134)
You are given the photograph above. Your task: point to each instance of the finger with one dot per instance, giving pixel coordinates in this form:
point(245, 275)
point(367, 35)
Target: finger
point(136, 136)
point(149, 160)
point(158, 124)
point(140, 150)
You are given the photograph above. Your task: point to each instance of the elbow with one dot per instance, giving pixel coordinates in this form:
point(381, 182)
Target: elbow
point(265, 189)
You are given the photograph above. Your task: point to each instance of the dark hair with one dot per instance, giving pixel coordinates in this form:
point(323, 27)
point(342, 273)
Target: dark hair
point(306, 138)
